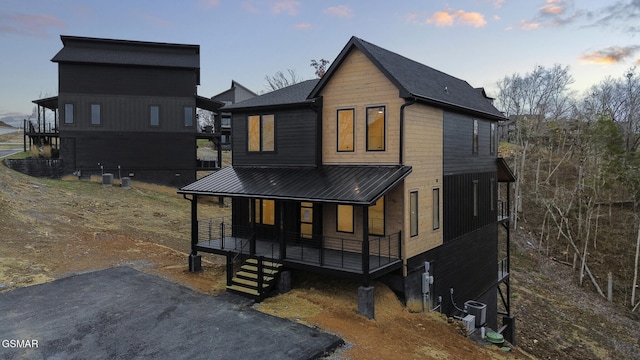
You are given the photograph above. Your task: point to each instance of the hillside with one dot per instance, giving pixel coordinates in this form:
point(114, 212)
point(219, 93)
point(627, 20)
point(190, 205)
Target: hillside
point(52, 228)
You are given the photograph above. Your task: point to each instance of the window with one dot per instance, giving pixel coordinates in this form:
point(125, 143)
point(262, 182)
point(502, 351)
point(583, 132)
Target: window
point(413, 209)
point(492, 139)
point(436, 209)
point(95, 114)
point(225, 122)
point(345, 129)
point(265, 212)
point(261, 134)
point(376, 218)
point(306, 220)
point(475, 136)
point(188, 116)
point(375, 128)
point(68, 113)
point(154, 115)
point(475, 197)
point(345, 218)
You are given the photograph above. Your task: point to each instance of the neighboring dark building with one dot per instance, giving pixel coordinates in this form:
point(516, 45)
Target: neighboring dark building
point(129, 108)
point(236, 93)
point(383, 169)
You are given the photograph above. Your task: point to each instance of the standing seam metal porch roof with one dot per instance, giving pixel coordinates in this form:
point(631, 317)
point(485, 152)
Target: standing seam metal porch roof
point(344, 184)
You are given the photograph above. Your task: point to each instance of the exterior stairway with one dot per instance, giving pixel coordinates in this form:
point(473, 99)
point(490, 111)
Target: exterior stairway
point(246, 280)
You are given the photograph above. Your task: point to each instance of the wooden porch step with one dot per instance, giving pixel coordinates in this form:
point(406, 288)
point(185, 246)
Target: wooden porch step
point(245, 281)
point(241, 290)
point(252, 275)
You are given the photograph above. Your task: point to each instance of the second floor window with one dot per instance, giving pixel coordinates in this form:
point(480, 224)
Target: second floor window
point(188, 116)
point(154, 115)
point(261, 134)
point(345, 129)
point(95, 114)
point(475, 136)
point(68, 113)
point(375, 128)
point(492, 139)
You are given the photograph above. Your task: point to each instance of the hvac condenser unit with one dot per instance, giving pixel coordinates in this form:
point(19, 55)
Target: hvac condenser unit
point(477, 309)
point(469, 323)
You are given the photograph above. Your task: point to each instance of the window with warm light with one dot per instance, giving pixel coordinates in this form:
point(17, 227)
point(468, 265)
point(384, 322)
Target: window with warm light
point(345, 218)
point(345, 129)
point(261, 134)
point(265, 212)
point(375, 128)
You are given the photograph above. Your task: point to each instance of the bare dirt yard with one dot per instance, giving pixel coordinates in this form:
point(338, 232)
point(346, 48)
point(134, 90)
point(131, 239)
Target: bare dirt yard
point(53, 228)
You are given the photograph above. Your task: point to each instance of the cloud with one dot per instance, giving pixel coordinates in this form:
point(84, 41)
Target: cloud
point(619, 15)
point(286, 6)
point(497, 3)
point(339, 11)
point(34, 25)
point(250, 7)
point(553, 13)
point(303, 26)
point(452, 17)
point(610, 55)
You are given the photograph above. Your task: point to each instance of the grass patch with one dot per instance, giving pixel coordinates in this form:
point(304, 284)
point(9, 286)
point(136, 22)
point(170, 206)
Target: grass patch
point(20, 155)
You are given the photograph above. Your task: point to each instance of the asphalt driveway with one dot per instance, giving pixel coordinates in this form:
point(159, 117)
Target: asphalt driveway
point(122, 313)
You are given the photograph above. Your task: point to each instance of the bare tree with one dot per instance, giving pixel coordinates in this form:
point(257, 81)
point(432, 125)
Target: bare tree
point(320, 66)
point(279, 80)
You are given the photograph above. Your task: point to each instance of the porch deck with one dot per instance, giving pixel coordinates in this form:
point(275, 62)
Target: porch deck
point(304, 256)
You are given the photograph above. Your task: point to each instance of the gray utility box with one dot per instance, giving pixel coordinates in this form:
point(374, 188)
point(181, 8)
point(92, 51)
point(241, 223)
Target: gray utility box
point(477, 309)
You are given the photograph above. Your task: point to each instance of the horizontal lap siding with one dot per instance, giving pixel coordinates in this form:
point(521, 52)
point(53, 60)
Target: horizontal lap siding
point(358, 84)
point(423, 152)
point(295, 139)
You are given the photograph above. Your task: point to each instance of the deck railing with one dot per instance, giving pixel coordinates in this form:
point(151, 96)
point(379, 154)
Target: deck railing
point(317, 250)
point(503, 210)
point(503, 268)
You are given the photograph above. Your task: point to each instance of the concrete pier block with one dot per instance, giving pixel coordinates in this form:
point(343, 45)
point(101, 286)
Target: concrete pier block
point(366, 301)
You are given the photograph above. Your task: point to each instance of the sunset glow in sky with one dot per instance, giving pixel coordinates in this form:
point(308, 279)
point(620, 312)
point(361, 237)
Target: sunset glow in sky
point(480, 41)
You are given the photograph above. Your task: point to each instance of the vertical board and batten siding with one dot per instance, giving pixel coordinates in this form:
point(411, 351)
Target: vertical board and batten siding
point(468, 265)
point(295, 139)
point(461, 168)
point(126, 80)
point(358, 84)
point(423, 131)
point(127, 113)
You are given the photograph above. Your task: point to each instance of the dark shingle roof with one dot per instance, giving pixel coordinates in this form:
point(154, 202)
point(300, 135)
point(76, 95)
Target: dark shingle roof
point(345, 184)
point(415, 80)
point(126, 52)
point(290, 95)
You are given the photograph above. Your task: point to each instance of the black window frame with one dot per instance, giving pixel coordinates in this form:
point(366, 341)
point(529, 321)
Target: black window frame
point(353, 129)
point(384, 127)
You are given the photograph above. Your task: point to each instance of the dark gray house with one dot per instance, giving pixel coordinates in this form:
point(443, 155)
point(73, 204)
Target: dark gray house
point(129, 108)
point(236, 93)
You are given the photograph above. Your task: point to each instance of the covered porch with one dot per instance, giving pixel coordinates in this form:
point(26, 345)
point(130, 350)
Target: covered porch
point(292, 217)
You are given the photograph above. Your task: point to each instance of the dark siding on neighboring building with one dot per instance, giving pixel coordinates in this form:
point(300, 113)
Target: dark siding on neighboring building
point(123, 80)
point(295, 139)
point(147, 156)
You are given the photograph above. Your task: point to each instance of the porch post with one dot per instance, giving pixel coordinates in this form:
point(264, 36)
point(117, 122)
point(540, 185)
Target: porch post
point(195, 260)
point(365, 246)
point(281, 237)
point(366, 292)
point(252, 239)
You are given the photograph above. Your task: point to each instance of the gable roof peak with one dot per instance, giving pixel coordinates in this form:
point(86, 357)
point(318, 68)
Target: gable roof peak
point(416, 80)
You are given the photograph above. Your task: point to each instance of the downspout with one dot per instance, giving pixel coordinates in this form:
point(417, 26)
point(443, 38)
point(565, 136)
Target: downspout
point(408, 102)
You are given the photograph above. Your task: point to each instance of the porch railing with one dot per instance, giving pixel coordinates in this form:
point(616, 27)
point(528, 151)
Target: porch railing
point(341, 252)
point(503, 268)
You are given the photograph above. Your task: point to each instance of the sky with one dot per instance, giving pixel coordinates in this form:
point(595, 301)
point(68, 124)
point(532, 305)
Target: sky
point(479, 41)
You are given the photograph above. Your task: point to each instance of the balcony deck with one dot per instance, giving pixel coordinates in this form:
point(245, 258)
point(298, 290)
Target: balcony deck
point(305, 256)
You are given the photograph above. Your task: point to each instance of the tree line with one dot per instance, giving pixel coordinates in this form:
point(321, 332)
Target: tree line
point(576, 159)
